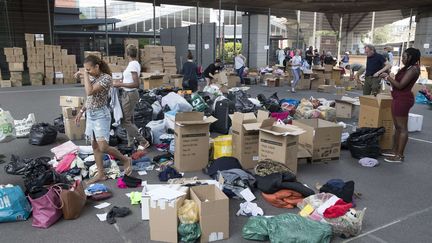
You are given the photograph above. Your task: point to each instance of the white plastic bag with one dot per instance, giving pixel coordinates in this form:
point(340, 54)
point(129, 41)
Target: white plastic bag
point(156, 109)
point(23, 126)
point(176, 103)
point(157, 129)
point(7, 128)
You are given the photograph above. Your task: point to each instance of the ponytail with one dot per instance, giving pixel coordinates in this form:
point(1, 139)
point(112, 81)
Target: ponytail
point(103, 66)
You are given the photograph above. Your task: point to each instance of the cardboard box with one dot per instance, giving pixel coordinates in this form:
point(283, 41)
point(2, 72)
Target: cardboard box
point(213, 207)
point(273, 82)
point(326, 88)
point(16, 66)
point(192, 141)
point(347, 108)
point(164, 218)
point(94, 53)
point(152, 81)
point(245, 133)
point(5, 83)
point(169, 49)
point(279, 143)
point(16, 83)
point(19, 58)
point(18, 51)
point(11, 59)
point(29, 37)
point(71, 101)
point(75, 131)
point(415, 122)
point(64, 52)
point(8, 51)
point(304, 83)
point(376, 112)
point(322, 138)
point(316, 82)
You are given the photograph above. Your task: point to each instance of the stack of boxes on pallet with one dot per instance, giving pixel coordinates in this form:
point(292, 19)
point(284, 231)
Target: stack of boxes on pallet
point(169, 61)
point(35, 57)
point(15, 59)
point(71, 105)
point(69, 67)
point(152, 59)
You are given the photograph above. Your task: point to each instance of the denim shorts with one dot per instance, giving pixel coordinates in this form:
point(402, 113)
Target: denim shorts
point(98, 124)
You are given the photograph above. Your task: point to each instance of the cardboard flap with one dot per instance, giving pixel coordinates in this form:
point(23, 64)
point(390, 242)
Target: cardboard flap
point(251, 126)
point(354, 101)
point(267, 123)
point(192, 118)
point(282, 130)
point(238, 117)
point(262, 115)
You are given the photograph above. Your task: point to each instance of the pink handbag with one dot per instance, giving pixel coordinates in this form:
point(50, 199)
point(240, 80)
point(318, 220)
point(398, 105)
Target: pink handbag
point(47, 209)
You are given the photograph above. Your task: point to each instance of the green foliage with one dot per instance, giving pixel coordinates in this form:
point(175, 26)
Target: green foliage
point(229, 52)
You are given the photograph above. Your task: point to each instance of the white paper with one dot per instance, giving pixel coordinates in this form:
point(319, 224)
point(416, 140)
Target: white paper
point(102, 205)
point(206, 46)
point(164, 193)
point(102, 217)
point(266, 47)
point(143, 172)
point(117, 75)
point(128, 195)
point(191, 47)
point(151, 167)
point(248, 195)
point(426, 45)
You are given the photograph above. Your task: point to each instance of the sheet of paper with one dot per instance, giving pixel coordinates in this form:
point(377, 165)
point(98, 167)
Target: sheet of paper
point(128, 195)
point(164, 193)
point(143, 172)
point(102, 217)
point(248, 195)
point(306, 211)
point(102, 205)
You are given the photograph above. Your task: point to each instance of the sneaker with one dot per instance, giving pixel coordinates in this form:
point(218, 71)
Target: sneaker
point(293, 90)
point(388, 154)
point(394, 159)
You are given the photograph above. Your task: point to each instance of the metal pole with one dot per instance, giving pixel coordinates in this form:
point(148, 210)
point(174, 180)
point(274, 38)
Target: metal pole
point(314, 30)
point(8, 24)
point(154, 22)
point(268, 37)
point(235, 29)
point(196, 33)
point(106, 30)
point(339, 38)
point(220, 36)
point(409, 31)
point(372, 27)
point(248, 41)
point(49, 21)
point(400, 53)
point(298, 28)
point(223, 42)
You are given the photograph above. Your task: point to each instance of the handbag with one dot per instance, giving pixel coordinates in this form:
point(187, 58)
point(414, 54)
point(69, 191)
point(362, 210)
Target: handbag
point(13, 204)
point(73, 200)
point(47, 209)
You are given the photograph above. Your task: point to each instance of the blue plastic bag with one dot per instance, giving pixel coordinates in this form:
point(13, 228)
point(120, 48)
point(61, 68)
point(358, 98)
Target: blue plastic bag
point(14, 206)
point(290, 101)
point(421, 99)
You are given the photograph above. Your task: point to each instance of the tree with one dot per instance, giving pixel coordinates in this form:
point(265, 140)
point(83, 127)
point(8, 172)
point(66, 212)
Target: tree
point(229, 52)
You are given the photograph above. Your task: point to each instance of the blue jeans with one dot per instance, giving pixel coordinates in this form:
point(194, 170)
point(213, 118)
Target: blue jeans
point(98, 123)
point(240, 74)
point(296, 73)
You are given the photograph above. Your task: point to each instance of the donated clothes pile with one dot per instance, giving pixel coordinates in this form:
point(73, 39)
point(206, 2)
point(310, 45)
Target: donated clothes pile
point(324, 214)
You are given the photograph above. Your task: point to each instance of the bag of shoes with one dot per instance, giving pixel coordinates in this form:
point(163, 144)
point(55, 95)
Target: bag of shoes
point(42, 134)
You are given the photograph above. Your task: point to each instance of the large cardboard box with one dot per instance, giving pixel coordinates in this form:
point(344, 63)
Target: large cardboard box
point(5, 84)
point(70, 112)
point(18, 51)
point(245, 133)
point(8, 51)
point(16, 66)
point(304, 83)
point(347, 108)
point(322, 138)
point(316, 82)
point(279, 143)
point(192, 141)
point(73, 130)
point(95, 53)
point(29, 37)
point(71, 101)
point(169, 49)
point(213, 207)
point(152, 81)
point(233, 80)
point(376, 112)
point(164, 218)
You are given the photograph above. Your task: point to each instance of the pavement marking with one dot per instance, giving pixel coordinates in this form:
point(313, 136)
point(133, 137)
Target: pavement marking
point(420, 140)
point(390, 224)
point(39, 90)
point(377, 239)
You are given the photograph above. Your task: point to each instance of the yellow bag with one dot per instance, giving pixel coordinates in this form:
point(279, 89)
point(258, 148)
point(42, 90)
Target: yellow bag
point(222, 146)
point(188, 213)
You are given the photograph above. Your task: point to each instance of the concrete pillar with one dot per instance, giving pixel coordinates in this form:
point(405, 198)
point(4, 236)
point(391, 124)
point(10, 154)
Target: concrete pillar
point(257, 41)
point(423, 34)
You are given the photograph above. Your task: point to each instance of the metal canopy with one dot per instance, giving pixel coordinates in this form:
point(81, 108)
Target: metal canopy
point(280, 7)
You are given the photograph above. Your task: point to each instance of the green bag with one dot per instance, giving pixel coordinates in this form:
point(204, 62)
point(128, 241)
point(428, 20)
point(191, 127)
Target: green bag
point(256, 229)
point(198, 103)
point(189, 232)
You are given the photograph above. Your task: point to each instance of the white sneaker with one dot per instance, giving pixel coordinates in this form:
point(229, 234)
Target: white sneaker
point(293, 90)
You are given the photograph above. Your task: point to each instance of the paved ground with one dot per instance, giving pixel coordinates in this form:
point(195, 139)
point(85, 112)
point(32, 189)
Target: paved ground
point(397, 196)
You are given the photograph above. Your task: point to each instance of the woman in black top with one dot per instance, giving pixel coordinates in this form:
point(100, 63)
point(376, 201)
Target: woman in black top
point(190, 74)
point(211, 70)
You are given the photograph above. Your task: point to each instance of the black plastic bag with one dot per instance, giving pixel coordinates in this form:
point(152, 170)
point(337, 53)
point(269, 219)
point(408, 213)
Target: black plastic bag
point(59, 124)
point(271, 104)
point(143, 113)
point(121, 135)
point(146, 133)
point(16, 166)
point(365, 142)
point(242, 102)
point(42, 134)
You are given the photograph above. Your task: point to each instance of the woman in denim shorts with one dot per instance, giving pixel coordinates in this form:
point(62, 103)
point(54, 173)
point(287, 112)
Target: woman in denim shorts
point(97, 83)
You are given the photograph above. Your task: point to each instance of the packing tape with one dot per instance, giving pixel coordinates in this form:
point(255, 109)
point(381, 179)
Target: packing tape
point(152, 204)
point(161, 204)
point(215, 236)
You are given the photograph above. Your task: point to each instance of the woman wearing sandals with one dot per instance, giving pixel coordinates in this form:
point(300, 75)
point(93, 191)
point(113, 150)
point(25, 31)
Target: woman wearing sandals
point(97, 83)
point(403, 100)
point(130, 97)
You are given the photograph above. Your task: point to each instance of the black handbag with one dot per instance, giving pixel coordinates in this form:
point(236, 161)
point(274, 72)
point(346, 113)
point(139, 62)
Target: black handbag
point(42, 134)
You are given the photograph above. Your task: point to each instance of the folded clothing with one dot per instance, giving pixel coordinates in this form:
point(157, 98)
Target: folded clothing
point(169, 173)
point(128, 181)
point(338, 187)
point(274, 182)
point(284, 198)
point(96, 188)
point(339, 209)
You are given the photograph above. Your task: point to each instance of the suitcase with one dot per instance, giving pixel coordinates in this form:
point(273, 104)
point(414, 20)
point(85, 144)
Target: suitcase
point(221, 112)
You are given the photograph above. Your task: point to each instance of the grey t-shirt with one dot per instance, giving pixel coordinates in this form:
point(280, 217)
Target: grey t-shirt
point(355, 67)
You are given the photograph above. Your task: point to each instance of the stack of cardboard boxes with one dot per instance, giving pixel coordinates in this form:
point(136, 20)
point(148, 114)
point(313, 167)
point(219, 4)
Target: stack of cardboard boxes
point(94, 53)
point(35, 57)
point(71, 105)
point(69, 67)
point(152, 59)
point(15, 58)
point(4, 83)
point(169, 61)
